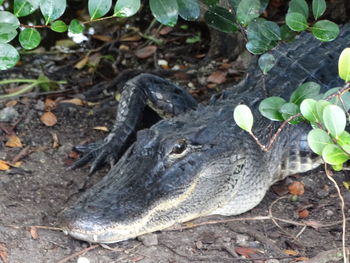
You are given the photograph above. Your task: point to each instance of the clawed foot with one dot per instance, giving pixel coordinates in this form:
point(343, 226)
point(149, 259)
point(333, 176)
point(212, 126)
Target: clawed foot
point(97, 153)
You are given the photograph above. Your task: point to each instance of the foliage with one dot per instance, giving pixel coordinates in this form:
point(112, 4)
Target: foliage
point(327, 117)
point(262, 35)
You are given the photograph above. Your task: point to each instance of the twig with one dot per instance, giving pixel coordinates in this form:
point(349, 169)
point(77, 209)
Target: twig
point(78, 253)
point(342, 205)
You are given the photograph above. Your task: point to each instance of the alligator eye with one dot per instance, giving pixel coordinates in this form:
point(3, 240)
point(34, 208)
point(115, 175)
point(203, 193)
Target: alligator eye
point(179, 147)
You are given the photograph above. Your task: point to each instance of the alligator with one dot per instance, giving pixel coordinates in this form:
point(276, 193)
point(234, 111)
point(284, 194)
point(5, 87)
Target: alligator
point(197, 161)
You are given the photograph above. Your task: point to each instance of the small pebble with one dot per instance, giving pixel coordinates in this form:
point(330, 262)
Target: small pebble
point(8, 114)
point(242, 240)
point(272, 261)
point(149, 239)
point(83, 260)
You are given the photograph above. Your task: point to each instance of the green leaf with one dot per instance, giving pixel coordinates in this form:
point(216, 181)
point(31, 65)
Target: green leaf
point(188, 10)
point(299, 6)
point(165, 11)
point(318, 8)
point(211, 3)
point(287, 34)
point(221, 19)
point(308, 110)
point(296, 22)
point(266, 62)
point(247, 10)
point(338, 167)
point(1, 2)
point(59, 26)
point(288, 110)
point(344, 140)
point(308, 90)
point(8, 56)
point(25, 7)
point(318, 139)
point(126, 8)
point(243, 117)
point(270, 108)
point(52, 9)
point(8, 22)
point(270, 30)
point(75, 27)
point(325, 30)
point(344, 65)
point(7, 36)
point(333, 155)
point(29, 38)
point(334, 119)
point(98, 8)
point(320, 106)
point(345, 97)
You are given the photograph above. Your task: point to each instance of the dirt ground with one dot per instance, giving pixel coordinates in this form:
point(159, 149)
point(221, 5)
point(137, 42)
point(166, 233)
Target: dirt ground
point(277, 230)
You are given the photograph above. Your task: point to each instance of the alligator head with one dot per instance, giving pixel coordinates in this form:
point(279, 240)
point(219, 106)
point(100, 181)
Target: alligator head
point(176, 171)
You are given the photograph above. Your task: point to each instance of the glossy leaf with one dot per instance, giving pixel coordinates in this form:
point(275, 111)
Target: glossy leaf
point(59, 26)
point(8, 22)
point(7, 36)
point(266, 62)
point(325, 30)
point(308, 110)
point(212, 3)
point(270, 30)
point(320, 106)
point(305, 91)
point(76, 27)
point(344, 65)
point(318, 139)
point(243, 117)
point(165, 11)
point(25, 7)
point(126, 8)
point(52, 9)
point(29, 38)
point(318, 8)
point(345, 97)
point(247, 10)
point(188, 10)
point(270, 108)
point(296, 22)
point(288, 110)
point(334, 119)
point(287, 34)
point(98, 8)
point(221, 19)
point(8, 56)
point(344, 140)
point(299, 6)
point(333, 155)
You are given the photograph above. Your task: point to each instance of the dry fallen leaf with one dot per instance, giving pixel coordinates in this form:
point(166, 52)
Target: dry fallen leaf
point(245, 251)
point(74, 101)
point(296, 188)
point(145, 52)
point(165, 30)
point(49, 104)
point(56, 142)
point(291, 252)
point(11, 103)
point(48, 118)
point(34, 232)
point(130, 37)
point(4, 165)
point(217, 77)
point(101, 128)
point(13, 141)
point(3, 253)
point(81, 63)
point(103, 38)
point(303, 213)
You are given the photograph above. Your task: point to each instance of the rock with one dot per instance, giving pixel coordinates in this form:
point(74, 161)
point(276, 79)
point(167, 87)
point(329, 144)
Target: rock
point(242, 240)
point(149, 239)
point(8, 114)
point(272, 261)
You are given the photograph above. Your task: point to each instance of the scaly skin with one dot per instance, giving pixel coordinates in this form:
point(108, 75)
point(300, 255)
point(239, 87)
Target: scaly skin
point(199, 162)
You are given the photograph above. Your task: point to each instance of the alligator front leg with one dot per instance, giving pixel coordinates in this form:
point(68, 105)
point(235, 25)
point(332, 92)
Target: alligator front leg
point(166, 98)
